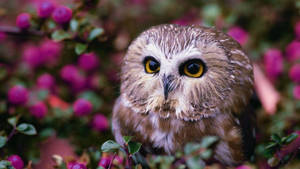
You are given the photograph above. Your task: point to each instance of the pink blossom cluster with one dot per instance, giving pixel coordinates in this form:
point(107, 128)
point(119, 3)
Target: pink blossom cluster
point(45, 9)
point(274, 61)
point(45, 54)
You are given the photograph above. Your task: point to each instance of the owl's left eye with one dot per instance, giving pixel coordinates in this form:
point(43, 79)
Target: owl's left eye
point(151, 65)
point(192, 68)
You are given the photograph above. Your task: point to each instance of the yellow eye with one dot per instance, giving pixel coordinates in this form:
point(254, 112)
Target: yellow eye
point(151, 65)
point(193, 68)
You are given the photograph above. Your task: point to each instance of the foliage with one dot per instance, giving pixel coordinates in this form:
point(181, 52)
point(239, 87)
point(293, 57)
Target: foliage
point(50, 61)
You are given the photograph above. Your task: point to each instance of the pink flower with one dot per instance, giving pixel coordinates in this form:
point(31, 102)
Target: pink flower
point(82, 107)
point(273, 61)
point(50, 50)
point(297, 29)
point(296, 92)
point(239, 34)
point(100, 122)
point(23, 20)
point(293, 51)
point(46, 81)
point(32, 56)
point(45, 9)
point(88, 61)
point(294, 73)
point(69, 73)
point(38, 110)
point(104, 161)
point(18, 95)
point(62, 14)
point(16, 161)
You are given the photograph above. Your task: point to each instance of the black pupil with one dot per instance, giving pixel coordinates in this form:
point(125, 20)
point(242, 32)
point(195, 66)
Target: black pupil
point(193, 68)
point(153, 65)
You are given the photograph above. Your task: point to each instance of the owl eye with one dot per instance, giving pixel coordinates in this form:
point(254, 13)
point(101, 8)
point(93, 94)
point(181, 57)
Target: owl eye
point(192, 68)
point(151, 65)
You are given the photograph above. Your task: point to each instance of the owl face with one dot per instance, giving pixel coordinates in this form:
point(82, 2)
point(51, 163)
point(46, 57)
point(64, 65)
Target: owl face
point(185, 72)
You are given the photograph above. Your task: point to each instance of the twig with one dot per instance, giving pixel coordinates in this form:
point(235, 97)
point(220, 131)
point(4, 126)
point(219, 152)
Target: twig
point(15, 31)
point(128, 159)
point(110, 163)
point(11, 134)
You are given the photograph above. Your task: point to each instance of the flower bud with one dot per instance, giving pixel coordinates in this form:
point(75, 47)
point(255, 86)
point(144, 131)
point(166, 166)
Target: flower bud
point(16, 161)
point(18, 95)
point(23, 21)
point(62, 14)
point(82, 107)
point(45, 9)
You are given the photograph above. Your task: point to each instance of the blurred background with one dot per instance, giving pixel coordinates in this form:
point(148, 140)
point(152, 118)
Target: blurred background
point(60, 63)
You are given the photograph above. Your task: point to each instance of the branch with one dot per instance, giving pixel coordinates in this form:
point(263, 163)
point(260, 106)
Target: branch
point(15, 31)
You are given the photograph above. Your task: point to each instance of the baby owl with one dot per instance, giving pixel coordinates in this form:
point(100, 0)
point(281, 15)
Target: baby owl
point(182, 83)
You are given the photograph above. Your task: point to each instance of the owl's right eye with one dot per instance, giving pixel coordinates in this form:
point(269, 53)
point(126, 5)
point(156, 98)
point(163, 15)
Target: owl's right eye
point(151, 65)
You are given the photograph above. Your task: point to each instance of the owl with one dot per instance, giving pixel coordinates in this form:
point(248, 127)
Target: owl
point(182, 83)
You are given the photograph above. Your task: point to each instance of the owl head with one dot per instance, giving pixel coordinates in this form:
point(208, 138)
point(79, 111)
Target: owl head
point(185, 72)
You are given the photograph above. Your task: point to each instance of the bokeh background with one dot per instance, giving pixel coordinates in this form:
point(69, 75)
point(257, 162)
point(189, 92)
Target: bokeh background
point(63, 78)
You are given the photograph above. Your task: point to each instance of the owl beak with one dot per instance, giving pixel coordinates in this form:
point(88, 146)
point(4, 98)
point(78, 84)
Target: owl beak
point(167, 84)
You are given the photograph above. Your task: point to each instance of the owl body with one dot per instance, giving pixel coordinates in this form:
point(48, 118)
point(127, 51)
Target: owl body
point(181, 83)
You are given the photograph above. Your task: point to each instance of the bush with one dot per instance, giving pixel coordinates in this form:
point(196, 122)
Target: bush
point(59, 67)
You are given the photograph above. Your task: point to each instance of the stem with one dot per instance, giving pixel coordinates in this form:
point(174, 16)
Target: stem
point(110, 163)
point(128, 159)
point(12, 30)
point(11, 134)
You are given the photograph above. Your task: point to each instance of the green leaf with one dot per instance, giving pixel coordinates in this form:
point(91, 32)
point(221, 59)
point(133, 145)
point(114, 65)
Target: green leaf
point(47, 132)
point(4, 164)
point(3, 140)
point(110, 146)
point(27, 129)
point(127, 139)
point(95, 33)
point(276, 138)
point(191, 147)
point(134, 147)
point(74, 25)
point(208, 141)
point(42, 94)
point(80, 48)
point(195, 163)
point(93, 98)
point(290, 138)
point(100, 167)
point(271, 145)
point(13, 121)
point(211, 12)
point(206, 154)
point(60, 35)
point(50, 24)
